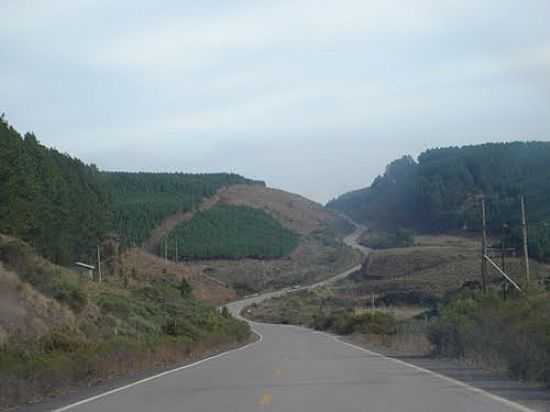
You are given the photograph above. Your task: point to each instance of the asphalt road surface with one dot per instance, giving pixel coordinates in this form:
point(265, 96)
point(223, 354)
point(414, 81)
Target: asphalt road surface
point(297, 370)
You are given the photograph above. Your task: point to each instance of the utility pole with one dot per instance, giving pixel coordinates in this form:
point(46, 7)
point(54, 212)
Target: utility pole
point(525, 242)
point(483, 247)
point(98, 264)
point(165, 250)
point(176, 257)
point(502, 261)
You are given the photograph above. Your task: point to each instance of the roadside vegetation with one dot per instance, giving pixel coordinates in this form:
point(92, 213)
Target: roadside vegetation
point(510, 335)
point(61, 330)
point(232, 232)
point(426, 300)
point(400, 328)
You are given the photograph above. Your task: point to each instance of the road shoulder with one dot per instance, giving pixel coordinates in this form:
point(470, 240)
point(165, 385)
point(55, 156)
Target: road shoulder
point(531, 396)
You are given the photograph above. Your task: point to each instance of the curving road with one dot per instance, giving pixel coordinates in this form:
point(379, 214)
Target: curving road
point(297, 370)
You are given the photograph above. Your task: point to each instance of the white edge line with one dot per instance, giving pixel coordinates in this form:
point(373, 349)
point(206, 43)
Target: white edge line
point(160, 375)
point(471, 388)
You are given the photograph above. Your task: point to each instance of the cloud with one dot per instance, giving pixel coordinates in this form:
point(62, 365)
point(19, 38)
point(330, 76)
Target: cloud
point(315, 96)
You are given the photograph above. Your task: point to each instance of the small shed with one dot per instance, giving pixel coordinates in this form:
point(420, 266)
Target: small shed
point(85, 269)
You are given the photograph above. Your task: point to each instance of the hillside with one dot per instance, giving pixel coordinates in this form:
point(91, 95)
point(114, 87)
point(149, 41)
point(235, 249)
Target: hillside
point(439, 192)
point(59, 330)
point(231, 232)
point(142, 201)
point(317, 255)
point(50, 199)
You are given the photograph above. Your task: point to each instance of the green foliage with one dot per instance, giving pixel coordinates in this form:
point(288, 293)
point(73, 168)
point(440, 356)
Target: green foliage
point(386, 240)
point(438, 192)
point(53, 281)
point(232, 232)
point(345, 322)
point(185, 288)
point(513, 333)
point(141, 201)
point(225, 312)
point(53, 201)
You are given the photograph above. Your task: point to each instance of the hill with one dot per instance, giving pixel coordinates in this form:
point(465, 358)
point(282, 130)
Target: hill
point(142, 201)
point(59, 330)
point(313, 249)
point(439, 192)
point(50, 199)
point(232, 232)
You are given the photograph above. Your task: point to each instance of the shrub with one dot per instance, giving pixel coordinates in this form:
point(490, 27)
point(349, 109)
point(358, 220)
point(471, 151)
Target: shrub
point(514, 334)
point(377, 323)
point(185, 288)
point(387, 240)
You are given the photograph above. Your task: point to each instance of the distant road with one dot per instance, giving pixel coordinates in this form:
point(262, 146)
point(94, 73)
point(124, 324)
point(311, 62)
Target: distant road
point(298, 370)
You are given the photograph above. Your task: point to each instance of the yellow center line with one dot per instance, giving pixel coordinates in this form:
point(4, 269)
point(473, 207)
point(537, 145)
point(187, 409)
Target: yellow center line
point(266, 399)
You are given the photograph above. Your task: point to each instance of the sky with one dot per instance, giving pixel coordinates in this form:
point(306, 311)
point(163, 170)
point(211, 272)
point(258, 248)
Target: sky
point(311, 96)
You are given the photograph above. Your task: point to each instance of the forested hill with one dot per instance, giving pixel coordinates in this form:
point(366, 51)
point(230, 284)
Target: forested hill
point(50, 199)
point(438, 192)
point(64, 207)
point(141, 201)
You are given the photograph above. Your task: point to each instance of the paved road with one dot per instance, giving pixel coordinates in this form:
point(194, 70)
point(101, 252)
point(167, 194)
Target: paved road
point(297, 370)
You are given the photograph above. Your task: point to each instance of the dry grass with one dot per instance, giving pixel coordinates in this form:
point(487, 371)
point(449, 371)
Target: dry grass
point(435, 266)
point(143, 266)
point(26, 313)
point(295, 212)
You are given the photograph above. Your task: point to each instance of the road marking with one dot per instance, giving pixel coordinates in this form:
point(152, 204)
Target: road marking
point(464, 385)
point(266, 399)
point(160, 375)
point(278, 372)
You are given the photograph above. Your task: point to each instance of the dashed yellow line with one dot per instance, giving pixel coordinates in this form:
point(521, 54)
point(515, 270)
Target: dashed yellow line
point(266, 399)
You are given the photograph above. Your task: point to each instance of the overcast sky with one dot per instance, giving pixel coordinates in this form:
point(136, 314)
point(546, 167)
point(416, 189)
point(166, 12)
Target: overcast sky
point(312, 96)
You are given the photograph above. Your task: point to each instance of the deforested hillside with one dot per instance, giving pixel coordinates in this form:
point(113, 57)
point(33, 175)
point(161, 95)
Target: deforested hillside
point(49, 199)
point(293, 211)
point(439, 191)
point(271, 239)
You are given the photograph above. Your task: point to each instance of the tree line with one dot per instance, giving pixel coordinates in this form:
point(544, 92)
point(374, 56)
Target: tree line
point(50, 199)
point(141, 201)
point(439, 192)
point(64, 208)
point(231, 232)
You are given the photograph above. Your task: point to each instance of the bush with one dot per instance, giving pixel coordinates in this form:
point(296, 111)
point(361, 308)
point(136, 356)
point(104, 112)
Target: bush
point(185, 288)
point(345, 323)
point(376, 323)
point(514, 333)
point(387, 240)
point(71, 295)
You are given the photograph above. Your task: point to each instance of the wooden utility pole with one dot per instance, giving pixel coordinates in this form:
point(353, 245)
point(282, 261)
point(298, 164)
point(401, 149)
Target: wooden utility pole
point(165, 250)
point(177, 256)
point(502, 262)
point(483, 247)
point(525, 242)
point(99, 264)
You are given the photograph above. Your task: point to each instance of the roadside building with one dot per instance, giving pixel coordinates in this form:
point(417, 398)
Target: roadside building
point(85, 270)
